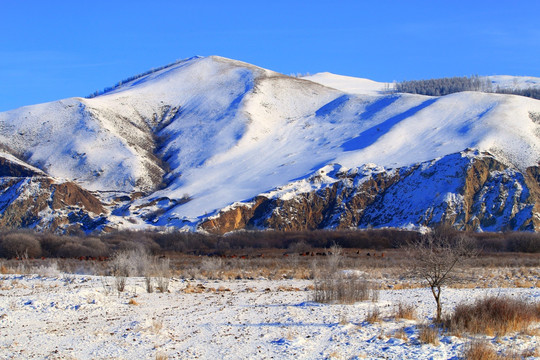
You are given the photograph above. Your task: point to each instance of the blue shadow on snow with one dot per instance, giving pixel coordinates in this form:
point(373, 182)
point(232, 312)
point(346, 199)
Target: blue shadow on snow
point(371, 135)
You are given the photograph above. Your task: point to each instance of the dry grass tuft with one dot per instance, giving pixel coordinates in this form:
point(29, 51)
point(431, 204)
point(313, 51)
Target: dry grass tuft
point(493, 316)
point(4, 270)
point(343, 288)
point(405, 311)
point(480, 350)
point(374, 315)
point(161, 356)
point(401, 334)
point(288, 288)
point(533, 352)
point(132, 301)
point(157, 325)
point(429, 335)
point(197, 289)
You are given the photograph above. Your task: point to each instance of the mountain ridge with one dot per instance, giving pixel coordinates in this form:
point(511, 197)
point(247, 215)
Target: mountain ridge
point(174, 147)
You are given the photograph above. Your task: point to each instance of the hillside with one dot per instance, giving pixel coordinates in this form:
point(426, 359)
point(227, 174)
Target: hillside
point(190, 144)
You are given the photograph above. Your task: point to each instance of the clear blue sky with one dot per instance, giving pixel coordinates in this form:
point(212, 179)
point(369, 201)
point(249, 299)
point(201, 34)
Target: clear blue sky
point(56, 49)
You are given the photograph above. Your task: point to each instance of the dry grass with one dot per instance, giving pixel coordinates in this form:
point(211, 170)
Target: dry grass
point(132, 301)
point(533, 352)
point(401, 334)
point(405, 311)
point(374, 315)
point(194, 289)
point(288, 288)
point(480, 350)
point(493, 316)
point(488, 270)
point(343, 288)
point(157, 325)
point(429, 335)
point(4, 269)
point(161, 356)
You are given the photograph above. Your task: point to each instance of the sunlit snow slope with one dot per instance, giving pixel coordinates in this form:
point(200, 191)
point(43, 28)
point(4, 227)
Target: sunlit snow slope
point(176, 146)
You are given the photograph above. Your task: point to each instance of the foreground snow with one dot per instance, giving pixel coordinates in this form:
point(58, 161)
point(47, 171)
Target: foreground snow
point(82, 317)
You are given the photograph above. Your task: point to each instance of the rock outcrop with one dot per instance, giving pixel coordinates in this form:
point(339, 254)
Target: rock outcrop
point(469, 190)
point(42, 203)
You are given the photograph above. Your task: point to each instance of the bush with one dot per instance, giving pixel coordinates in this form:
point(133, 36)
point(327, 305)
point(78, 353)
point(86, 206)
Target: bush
point(74, 247)
point(20, 245)
point(344, 288)
point(523, 242)
point(493, 315)
point(50, 244)
point(162, 268)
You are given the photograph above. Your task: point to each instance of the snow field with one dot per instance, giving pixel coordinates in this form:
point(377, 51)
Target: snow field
point(80, 316)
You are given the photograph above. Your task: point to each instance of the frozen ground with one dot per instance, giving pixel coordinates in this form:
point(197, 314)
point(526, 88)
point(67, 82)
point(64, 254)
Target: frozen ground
point(81, 317)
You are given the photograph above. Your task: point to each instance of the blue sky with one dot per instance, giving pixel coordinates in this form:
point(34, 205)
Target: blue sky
point(56, 49)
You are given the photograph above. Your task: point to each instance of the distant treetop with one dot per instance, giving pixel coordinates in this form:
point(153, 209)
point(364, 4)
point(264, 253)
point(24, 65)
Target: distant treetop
point(450, 85)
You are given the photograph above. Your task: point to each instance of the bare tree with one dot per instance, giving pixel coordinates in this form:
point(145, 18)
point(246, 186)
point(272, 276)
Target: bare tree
point(436, 256)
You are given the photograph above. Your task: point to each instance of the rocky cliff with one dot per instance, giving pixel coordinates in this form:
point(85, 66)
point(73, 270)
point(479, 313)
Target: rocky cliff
point(469, 190)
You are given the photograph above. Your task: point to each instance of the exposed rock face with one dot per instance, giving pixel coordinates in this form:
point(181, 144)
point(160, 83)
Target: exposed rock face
point(69, 194)
point(469, 190)
point(40, 202)
point(12, 168)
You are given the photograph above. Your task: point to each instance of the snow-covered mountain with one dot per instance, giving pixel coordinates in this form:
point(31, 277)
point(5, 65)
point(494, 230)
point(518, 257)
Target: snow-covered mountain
point(198, 144)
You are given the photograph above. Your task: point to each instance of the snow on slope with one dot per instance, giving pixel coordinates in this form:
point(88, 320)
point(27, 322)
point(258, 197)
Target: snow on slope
point(361, 86)
point(223, 131)
point(514, 82)
point(430, 127)
point(349, 84)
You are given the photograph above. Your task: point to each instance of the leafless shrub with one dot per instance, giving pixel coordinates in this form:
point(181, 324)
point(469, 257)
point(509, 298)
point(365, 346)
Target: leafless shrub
point(211, 266)
point(344, 288)
point(120, 283)
point(20, 245)
point(480, 350)
point(334, 258)
point(107, 288)
point(163, 272)
point(50, 244)
point(122, 268)
point(436, 256)
point(135, 262)
point(299, 247)
point(49, 269)
point(493, 315)
point(149, 282)
point(523, 242)
point(139, 242)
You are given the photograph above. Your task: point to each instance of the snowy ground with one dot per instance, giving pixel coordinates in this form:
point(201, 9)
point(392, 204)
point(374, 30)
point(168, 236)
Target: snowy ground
point(82, 317)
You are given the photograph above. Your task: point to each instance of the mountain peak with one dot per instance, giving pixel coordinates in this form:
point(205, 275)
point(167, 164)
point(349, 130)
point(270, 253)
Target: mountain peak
point(174, 146)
